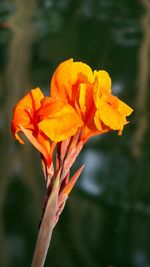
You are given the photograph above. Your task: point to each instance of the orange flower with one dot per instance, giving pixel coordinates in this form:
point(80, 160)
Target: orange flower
point(42, 118)
point(90, 94)
point(80, 98)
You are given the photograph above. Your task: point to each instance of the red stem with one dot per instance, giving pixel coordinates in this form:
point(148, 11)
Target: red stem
point(46, 228)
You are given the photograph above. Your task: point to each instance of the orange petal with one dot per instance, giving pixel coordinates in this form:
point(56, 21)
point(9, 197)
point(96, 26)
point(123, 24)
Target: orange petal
point(97, 121)
point(49, 106)
point(94, 127)
point(23, 111)
point(40, 143)
point(31, 100)
point(104, 81)
point(88, 132)
point(25, 120)
point(111, 117)
point(59, 122)
point(124, 108)
point(68, 74)
point(81, 73)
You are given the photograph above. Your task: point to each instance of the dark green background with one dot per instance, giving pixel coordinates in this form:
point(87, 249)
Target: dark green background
point(106, 221)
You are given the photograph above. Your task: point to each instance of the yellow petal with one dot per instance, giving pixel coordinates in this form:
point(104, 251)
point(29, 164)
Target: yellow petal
point(124, 108)
point(82, 95)
point(103, 81)
point(111, 117)
point(61, 125)
point(97, 121)
point(81, 73)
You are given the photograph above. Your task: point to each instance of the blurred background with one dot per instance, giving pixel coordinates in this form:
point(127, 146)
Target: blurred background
point(106, 222)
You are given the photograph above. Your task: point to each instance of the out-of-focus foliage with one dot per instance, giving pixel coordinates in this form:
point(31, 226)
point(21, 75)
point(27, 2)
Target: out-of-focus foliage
point(5, 10)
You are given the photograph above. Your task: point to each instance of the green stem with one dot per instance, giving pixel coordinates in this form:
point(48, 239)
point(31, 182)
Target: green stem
point(46, 228)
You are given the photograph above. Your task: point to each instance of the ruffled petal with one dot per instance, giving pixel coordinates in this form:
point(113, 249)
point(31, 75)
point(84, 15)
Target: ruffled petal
point(103, 81)
point(81, 73)
point(60, 123)
point(110, 116)
point(67, 75)
point(24, 111)
point(49, 106)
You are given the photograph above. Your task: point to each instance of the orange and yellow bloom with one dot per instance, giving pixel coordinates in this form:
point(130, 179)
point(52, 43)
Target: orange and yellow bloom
point(80, 98)
point(89, 93)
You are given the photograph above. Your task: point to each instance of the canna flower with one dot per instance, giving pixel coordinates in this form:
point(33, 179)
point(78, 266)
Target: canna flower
point(89, 93)
point(39, 117)
point(81, 105)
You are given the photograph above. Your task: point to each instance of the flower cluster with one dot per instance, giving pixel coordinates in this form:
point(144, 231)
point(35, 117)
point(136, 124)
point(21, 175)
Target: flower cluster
point(80, 106)
point(80, 99)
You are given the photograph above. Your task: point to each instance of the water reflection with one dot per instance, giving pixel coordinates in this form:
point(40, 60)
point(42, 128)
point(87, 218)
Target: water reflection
point(106, 220)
